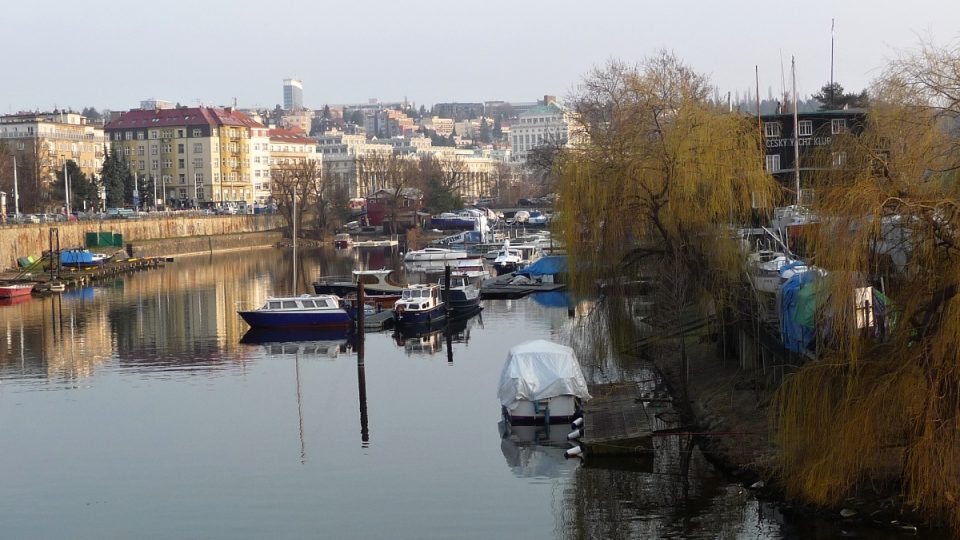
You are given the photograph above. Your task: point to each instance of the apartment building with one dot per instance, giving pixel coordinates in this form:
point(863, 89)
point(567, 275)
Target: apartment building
point(198, 156)
point(45, 141)
point(288, 148)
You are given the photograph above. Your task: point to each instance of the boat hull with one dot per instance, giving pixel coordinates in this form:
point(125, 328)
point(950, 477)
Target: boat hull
point(297, 320)
point(410, 317)
point(556, 410)
point(502, 268)
point(14, 291)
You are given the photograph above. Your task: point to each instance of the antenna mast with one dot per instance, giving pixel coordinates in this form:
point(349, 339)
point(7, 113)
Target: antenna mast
point(796, 129)
point(832, 106)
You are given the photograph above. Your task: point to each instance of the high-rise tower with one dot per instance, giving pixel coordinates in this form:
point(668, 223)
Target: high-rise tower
point(292, 94)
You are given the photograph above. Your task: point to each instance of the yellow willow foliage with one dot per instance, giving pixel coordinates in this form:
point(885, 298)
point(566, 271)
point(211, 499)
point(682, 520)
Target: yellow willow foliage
point(888, 211)
point(661, 171)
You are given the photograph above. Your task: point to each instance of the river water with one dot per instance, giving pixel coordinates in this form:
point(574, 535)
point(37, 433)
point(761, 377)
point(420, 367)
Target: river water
point(133, 410)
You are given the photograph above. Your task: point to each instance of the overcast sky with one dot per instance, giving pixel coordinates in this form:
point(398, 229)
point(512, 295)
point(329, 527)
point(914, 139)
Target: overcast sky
point(113, 54)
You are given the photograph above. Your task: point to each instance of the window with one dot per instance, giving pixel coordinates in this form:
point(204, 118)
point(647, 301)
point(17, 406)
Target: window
point(839, 159)
point(180, 133)
point(805, 128)
point(141, 165)
point(200, 193)
point(771, 129)
point(183, 180)
point(181, 163)
point(129, 136)
point(197, 163)
point(153, 149)
point(141, 150)
point(181, 148)
point(153, 134)
point(154, 164)
point(167, 163)
point(773, 163)
point(126, 151)
point(196, 132)
point(140, 136)
point(166, 148)
point(838, 125)
point(197, 147)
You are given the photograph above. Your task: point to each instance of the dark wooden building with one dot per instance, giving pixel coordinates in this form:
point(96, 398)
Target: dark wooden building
point(816, 132)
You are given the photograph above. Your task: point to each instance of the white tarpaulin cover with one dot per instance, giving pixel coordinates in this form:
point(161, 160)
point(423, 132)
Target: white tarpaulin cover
point(540, 369)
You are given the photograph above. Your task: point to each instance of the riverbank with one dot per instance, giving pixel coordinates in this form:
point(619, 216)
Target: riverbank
point(730, 407)
point(32, 239)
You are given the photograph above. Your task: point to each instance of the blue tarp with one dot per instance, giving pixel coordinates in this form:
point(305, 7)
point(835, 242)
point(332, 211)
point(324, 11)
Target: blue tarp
point(549, 265)
point(76, 257)
point(796, 322)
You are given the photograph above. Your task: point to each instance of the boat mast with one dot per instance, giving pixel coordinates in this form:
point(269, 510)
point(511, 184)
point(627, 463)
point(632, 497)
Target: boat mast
point(796, 129)
point(294, 288)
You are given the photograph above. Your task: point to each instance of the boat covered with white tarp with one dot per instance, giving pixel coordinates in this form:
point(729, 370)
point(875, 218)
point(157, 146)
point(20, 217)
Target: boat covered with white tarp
point(541, 382)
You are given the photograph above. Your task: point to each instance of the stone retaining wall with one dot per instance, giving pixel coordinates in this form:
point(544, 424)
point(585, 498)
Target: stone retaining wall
point(33, 239)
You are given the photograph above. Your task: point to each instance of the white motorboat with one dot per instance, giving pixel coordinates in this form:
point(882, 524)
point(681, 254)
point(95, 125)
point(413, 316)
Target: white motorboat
point(541, 382)
point(434, 254)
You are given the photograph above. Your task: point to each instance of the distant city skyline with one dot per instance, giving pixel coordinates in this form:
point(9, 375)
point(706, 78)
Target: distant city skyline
point(113, 55)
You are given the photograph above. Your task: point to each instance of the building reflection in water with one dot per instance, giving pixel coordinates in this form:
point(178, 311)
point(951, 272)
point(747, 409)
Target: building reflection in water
point(182, 315)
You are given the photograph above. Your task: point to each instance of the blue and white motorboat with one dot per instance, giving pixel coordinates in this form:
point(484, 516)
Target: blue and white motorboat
point(305, 311)
point(419, 304)
point(464, 292)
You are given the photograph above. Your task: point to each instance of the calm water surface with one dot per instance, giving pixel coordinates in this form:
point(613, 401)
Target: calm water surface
point(132, 410)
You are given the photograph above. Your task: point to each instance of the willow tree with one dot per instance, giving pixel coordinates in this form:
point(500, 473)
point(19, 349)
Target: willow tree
point(657, 175)
point(882, 401)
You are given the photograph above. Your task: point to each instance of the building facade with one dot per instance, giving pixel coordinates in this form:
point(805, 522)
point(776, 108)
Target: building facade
point(544, 124)
point(48, 140)
point(815, 132)
point(292, 94)
point(288, 148)
point(198, 157)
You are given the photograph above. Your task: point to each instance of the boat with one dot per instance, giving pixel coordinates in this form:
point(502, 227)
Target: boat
point(13, 290)
point(419, 304)
point(464, 292)
point(82, 257)
point(342, 241)
point(434, 254)
point(468, 218)
point(765, 269)
point(381, 285)
point(513, 257)
point(473, 264)
point(541, 383)
point(304, 311)
point(388, 242)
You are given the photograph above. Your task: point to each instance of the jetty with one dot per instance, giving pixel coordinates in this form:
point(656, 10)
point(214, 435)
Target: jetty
point(618, 420)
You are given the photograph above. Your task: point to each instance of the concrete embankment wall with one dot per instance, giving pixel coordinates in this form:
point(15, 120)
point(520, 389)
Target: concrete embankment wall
point(154, 236)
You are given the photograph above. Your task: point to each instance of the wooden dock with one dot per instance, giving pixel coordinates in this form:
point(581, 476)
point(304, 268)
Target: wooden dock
point(73, 277)
point(504, 290)
point(615, 421)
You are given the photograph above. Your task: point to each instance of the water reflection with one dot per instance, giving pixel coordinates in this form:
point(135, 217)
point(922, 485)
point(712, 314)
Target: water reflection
point(237, 420)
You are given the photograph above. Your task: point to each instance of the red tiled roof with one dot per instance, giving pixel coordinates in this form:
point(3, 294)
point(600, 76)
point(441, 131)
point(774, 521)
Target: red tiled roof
point(192, 116)
point(295, 135)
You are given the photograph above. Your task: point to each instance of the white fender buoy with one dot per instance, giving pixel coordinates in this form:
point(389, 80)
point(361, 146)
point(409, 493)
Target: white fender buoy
point(573, 452)
point(575, 434)
point(577, 423)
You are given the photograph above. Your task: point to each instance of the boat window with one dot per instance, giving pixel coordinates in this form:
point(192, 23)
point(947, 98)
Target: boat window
point(406, 294)
point(289, 304)
point(273, 305)
point(308, 303)
point(324, 303)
